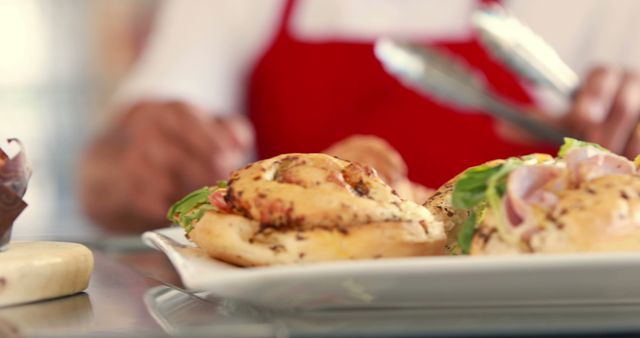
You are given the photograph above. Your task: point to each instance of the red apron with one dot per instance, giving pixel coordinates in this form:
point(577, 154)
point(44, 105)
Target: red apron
point(304, 96)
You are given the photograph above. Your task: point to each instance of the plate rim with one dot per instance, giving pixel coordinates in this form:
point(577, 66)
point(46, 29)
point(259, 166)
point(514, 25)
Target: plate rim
point(160, 240)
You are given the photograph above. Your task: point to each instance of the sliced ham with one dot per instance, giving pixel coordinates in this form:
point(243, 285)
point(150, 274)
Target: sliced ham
point(588, 163)
point(539, 184)
point(530, 185)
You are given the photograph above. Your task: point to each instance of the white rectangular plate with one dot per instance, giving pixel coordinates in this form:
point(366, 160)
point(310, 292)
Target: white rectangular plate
point(410, 282)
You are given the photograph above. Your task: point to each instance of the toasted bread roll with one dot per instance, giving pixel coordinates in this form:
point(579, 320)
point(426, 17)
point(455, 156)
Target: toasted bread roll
point(240, 241)
point(312, 207)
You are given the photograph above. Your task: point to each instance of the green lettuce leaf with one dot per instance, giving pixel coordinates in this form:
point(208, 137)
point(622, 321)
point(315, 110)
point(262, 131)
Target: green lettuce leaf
point(191, 208)
point(191, 217)
point(194, 199)
point(483, 187)
point(470, 189)
point(571, 143)
point(465, 235)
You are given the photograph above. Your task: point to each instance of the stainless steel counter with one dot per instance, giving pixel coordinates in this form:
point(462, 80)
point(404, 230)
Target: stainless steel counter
point(111, 304)
point(135, 293)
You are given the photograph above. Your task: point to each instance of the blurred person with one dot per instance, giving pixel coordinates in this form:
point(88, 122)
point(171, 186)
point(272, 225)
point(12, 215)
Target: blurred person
point(223, 80)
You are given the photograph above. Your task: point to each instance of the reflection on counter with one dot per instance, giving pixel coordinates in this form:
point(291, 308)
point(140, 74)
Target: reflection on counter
point(73, 313)
point(182, 314)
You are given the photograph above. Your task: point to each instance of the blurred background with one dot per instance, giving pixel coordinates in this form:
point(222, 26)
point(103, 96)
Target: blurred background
point(59, 63)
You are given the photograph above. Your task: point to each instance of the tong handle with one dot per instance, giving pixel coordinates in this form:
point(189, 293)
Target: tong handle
point(510, 113)
point(443, 77)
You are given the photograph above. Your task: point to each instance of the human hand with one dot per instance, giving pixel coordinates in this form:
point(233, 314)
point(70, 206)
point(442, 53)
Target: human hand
point(377, 153)
point(174, 148)
point(412, 191)
point(165, 150)
point(374, 152)
point(8, 329)
point(605, 110)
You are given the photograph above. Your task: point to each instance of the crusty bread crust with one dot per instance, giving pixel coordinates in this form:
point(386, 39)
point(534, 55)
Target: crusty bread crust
point(238, 240)
point(316, 190)
point(440, 205)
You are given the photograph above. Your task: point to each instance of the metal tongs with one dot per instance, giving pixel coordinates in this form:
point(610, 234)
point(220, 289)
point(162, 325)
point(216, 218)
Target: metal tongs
point(439, 75)
point(522, 50)
point(14, 177)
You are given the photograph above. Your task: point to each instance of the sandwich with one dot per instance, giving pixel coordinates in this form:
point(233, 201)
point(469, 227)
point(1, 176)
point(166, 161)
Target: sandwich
point(586, 199)
point(298, 208)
